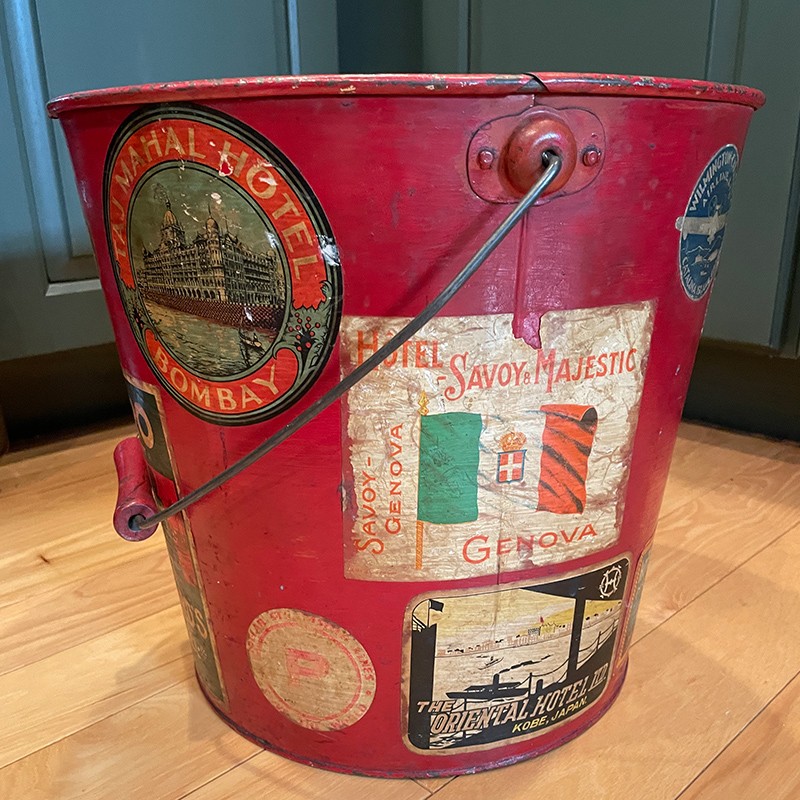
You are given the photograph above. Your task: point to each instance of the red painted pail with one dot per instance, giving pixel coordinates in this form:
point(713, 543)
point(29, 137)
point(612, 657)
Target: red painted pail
point(440, 572)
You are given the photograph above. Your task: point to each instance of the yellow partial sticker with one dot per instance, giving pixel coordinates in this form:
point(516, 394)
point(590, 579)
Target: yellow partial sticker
point(634, 600)
point(148, 413)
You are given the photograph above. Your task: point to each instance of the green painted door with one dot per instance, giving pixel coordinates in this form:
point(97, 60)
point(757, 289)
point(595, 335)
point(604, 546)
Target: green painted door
point(51, 297)
point(725, 40)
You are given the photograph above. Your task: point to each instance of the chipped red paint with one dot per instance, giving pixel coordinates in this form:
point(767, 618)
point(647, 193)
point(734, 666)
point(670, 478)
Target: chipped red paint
point(388, 160)
point(401, 84)
point(646, 86)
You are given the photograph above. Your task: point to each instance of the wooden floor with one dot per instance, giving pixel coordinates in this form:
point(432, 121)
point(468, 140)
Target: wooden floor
point(99, 701)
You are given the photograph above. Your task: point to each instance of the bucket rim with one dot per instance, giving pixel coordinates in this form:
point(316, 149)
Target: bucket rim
point(408, 84)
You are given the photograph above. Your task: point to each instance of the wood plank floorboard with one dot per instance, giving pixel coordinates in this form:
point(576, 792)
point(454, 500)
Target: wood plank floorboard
point(100, 701)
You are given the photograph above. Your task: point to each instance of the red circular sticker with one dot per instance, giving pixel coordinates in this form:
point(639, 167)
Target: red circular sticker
point(226, 265)
point(313, 671)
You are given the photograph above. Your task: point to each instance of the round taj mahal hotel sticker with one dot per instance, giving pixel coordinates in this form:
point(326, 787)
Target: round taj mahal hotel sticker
point(225, 262)
point(702, 227)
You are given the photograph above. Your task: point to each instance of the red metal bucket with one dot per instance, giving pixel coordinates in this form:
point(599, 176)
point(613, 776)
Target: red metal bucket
point(439, 573)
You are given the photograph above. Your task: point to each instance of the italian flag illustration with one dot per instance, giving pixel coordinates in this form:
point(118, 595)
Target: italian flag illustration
point(449, 458)
point(449, 454)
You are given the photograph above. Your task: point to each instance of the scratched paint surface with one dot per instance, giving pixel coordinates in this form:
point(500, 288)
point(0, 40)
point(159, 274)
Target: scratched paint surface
point(522, 457)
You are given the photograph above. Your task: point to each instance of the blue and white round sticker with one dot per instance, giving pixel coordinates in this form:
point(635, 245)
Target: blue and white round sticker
point(702, 227)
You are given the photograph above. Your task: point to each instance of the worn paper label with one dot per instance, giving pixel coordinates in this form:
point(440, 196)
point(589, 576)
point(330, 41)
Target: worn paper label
point(634, 601)
point(702, 227)
point(225, 263)
point(470, 452)
point(313, 671)
point(485, 666)
point(148, 414)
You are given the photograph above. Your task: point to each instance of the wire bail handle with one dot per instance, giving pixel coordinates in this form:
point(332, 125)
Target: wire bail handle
point(137, 526)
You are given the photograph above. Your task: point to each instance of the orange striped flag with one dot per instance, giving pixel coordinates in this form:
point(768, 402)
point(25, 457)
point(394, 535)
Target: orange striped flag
point(566, 444)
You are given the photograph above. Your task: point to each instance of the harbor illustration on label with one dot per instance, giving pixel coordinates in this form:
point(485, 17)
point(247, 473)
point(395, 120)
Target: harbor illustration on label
point(486, 666)
point(226, 265)
point(702, 227)
point(470, 452)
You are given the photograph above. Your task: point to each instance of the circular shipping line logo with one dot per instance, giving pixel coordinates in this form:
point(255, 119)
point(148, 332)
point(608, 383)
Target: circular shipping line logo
point(702, 227)
point(314, 672)
point(225, 262)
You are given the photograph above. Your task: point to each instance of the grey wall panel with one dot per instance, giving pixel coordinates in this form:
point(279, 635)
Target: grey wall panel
point(380, 37)
point(33, 319)
point(750, 298)
point(142, 42)
point(445, 36)
point(628, 36)
point(51, 296)
point(317, 36)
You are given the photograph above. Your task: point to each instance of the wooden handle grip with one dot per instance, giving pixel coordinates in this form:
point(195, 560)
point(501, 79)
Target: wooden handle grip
point(135, 496)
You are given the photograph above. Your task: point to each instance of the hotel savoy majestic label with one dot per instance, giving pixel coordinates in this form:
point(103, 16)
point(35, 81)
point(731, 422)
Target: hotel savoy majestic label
point(470, 453)
point(225, 262)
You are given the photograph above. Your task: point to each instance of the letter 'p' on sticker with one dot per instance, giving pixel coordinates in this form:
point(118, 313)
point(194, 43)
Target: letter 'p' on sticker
point(313, 671)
